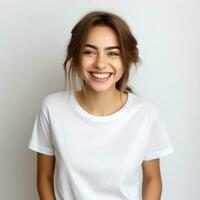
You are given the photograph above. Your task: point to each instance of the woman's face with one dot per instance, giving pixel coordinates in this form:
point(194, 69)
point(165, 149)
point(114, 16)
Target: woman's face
point(101, 62)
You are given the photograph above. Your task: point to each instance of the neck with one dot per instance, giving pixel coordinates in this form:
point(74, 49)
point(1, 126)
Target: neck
point(101, 103)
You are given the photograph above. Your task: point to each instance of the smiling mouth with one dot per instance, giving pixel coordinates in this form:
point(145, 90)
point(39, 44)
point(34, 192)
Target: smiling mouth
point(101, 76)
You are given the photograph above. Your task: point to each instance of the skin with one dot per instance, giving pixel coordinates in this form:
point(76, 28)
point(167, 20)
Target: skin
point(45, 172)
point(152, 182)
point(102, 99)
point(101, 54)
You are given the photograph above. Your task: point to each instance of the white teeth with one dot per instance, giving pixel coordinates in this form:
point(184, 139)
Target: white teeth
point(101, 75)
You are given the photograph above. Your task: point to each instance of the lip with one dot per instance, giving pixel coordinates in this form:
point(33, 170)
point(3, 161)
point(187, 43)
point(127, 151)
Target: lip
point(101, 72)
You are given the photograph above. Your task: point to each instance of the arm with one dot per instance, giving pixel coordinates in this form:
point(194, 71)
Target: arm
point(45, 171)
point(152, 183)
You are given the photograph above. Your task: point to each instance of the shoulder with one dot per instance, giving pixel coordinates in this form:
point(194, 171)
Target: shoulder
point(145, 103)
point(144, 106)
point(53, 99)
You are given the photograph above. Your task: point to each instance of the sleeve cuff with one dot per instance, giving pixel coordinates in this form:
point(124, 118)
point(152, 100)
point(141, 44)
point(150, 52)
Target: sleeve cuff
point(160, 153)
point(41, 149)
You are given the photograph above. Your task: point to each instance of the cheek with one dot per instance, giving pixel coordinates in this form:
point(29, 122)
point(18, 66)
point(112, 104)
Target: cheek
point(119, 68)
point(85, 63)
point(120, 73)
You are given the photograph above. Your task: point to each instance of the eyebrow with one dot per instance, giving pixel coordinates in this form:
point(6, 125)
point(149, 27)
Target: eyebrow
point(107, 48)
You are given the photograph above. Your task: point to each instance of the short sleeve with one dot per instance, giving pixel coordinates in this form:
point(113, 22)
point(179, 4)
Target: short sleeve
point(159, 143)
point(41, 139)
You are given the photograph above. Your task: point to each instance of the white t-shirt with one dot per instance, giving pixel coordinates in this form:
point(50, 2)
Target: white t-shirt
point(98, 157)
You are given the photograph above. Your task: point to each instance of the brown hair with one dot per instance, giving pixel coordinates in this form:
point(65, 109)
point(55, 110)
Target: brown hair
point(79, 33)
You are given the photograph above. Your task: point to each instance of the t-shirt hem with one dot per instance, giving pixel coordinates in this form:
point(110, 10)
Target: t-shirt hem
point(40, 149)
point(160, 153)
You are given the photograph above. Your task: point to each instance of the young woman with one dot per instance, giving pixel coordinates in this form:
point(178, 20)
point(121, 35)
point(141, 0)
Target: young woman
point(91, 143)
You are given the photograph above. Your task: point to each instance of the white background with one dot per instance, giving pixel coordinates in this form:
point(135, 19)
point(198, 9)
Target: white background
point(33, 38)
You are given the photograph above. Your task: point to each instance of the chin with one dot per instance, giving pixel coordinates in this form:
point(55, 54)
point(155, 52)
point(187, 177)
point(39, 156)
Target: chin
point(100, 88)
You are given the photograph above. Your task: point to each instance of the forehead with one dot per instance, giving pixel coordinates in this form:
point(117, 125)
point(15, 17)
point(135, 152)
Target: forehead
point(102, 36)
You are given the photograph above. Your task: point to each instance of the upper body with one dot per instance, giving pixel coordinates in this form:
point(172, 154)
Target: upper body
point(98, 157)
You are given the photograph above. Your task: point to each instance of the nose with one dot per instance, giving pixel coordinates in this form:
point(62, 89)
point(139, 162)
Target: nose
point(100, 61)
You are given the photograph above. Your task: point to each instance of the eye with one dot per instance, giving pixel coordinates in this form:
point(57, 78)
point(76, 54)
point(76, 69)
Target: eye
point(111, 53)
point(88, 52)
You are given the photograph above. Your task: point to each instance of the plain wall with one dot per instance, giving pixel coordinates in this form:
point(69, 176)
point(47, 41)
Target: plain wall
point(33, 38)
